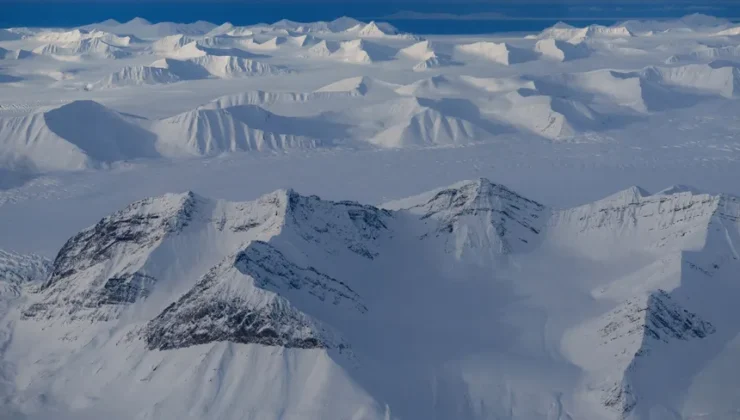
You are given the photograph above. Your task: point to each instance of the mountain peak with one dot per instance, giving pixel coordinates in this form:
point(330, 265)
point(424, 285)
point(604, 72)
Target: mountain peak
point(508, 221)
point(101, 266)
point(138, 21)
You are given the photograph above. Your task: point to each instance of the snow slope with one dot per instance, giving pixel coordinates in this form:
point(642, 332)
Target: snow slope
point(560, 50)
point(77, 135)
point(409, 121)
point(237, 128)
point(500, 53)
point(220, 66)
point(427, 56)
point(136, 76)
point(565, 32)
point(359, 51)
point(548, 116)
point(88, 47)
point(719, 79)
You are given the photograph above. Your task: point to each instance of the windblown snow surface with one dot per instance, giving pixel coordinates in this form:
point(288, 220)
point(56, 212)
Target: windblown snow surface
point(230, 222)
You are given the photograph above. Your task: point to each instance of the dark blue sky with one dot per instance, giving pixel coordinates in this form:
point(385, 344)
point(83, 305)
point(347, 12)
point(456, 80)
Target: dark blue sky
point(427, 16)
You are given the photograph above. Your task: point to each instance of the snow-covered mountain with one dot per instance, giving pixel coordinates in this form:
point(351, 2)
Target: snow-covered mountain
point(88, 47)
point(80, 134)
point(246, 127)
point(177, 304)
point(564, 32)
point(561, 50)
point(136, 76)
point(221, 66)
point(142, 28)
point(500, 53)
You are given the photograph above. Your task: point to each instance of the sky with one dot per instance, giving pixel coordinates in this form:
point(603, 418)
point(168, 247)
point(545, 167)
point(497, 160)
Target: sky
point(409, 15)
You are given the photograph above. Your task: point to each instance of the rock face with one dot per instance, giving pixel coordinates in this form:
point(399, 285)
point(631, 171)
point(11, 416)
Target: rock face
point(17, 270)
point(657, 318)
point(234, 302)
point(18, 273)
point(99, 267)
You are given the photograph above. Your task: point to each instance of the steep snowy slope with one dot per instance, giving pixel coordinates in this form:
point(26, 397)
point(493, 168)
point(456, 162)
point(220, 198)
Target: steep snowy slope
point(357, 51)
point(564, 32)
point(95, 47)
point(548, 116)
point(443, 86)
point(271, 44)
point(136, 76)
point(376, 30)
point(322, 49)
point(427, 55)
point(19, 54)
point(625, 89)
point(561, 50)
point(706, 53)
point(220, 66)
point(717, 79)
point(729, 32)
point(171, 43)
point(66, 36)
point(480, 220)
point(77, 135)
point(410, 121)
point(77, 35)
point(356, 86)
point(352, 88)
point(501, 53)
point(237, 128)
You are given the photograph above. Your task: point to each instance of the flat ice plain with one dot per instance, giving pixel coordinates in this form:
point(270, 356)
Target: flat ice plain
point(545, 300)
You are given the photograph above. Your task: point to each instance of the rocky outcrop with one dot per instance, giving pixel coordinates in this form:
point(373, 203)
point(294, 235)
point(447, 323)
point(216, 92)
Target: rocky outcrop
point(244, 300)
point(657, 318)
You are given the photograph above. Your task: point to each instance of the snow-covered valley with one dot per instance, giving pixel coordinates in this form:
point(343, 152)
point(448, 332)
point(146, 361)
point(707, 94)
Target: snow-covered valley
point(176, 240)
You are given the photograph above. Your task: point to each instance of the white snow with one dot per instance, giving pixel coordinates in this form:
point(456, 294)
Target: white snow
point(501, 53)
point(536, 296)
point(561, 50)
